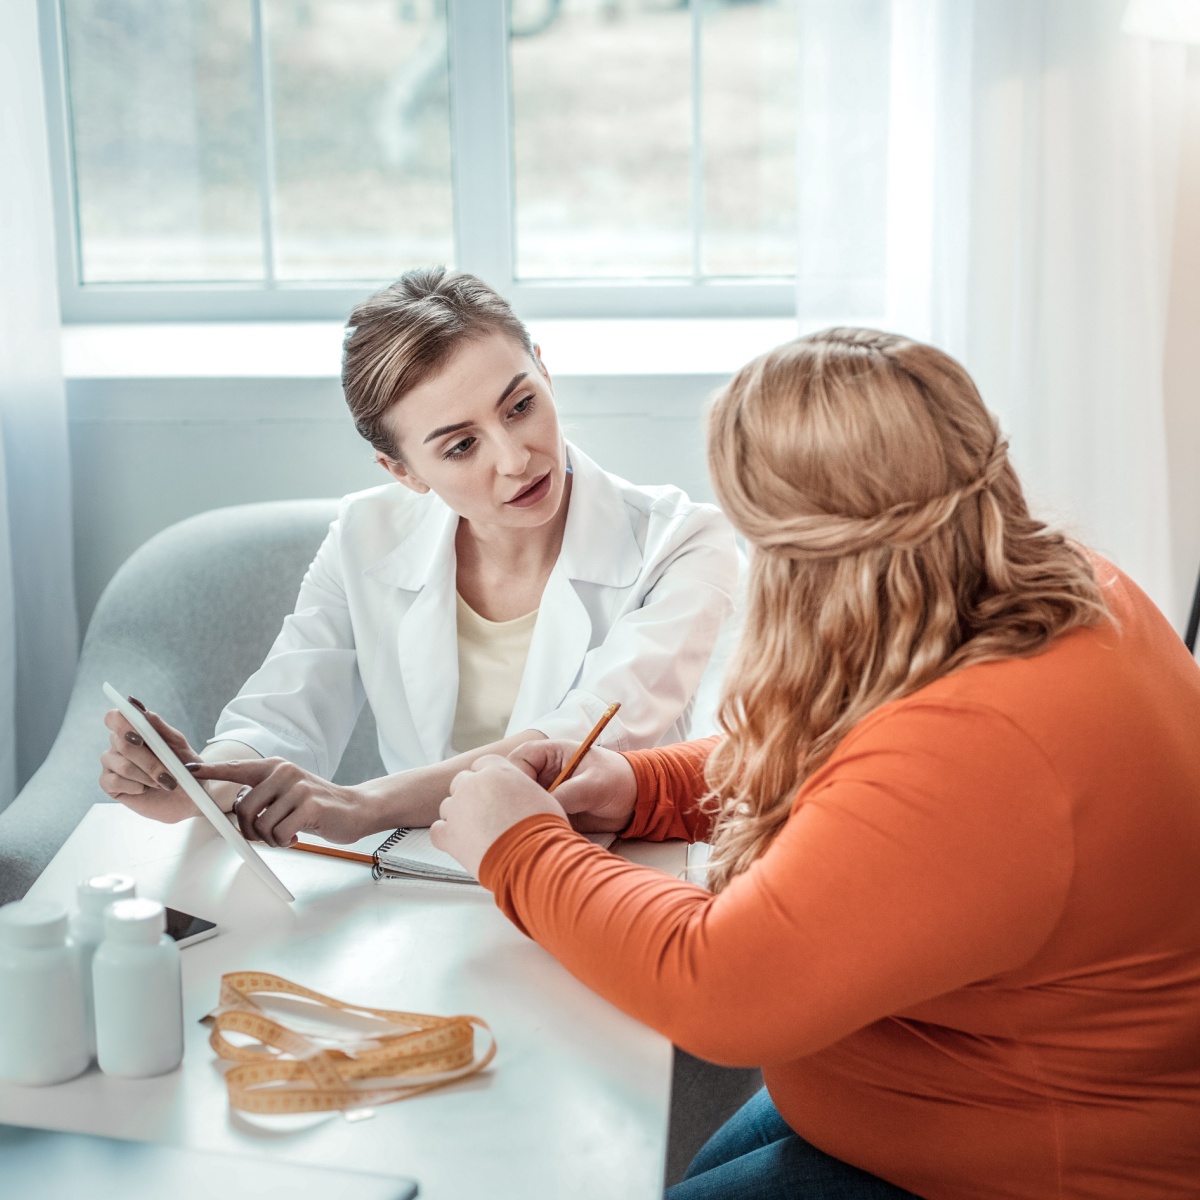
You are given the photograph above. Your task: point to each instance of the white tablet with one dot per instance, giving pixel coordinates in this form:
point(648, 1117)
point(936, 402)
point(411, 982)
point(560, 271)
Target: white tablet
point(203, 801)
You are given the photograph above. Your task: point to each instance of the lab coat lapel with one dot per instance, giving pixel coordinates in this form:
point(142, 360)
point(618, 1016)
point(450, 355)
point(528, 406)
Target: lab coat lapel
point(598, 548)
point(428, 631)
point(598, 543)
point(561, 639)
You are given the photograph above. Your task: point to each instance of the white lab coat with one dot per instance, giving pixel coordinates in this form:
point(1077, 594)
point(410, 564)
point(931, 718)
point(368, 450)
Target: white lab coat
point(631, 612)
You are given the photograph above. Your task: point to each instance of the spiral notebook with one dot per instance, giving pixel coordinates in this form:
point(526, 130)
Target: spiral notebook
point(409, 854)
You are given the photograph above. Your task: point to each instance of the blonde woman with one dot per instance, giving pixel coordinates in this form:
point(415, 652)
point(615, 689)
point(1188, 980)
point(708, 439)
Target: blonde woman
point(955, 815)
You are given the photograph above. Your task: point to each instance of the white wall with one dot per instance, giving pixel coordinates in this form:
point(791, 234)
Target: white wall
point(1182, 365)
point(149, 451)
point(146, 453)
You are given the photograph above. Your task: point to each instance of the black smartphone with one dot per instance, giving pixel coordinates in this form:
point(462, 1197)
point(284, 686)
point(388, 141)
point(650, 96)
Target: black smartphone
point(186, 929)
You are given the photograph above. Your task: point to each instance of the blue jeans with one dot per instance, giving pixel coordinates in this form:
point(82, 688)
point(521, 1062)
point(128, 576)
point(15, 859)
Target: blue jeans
point(755, 1155)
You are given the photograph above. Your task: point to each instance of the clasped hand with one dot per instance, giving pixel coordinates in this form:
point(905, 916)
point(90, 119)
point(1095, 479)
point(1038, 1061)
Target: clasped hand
point(495, 793)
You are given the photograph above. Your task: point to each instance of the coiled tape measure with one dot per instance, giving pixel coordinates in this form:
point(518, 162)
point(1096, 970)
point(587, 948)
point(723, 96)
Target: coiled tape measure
point(284, 1071)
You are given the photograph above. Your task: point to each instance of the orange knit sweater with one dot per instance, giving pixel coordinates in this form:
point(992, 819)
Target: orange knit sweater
point(970, 962)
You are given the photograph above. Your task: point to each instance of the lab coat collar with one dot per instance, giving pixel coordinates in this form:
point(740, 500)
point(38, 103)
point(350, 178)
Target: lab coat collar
point(426, 552)
point(427, 633)
point(598, 541)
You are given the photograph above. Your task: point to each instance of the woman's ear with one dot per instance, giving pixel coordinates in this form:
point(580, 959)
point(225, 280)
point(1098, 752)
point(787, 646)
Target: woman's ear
point(400, 473)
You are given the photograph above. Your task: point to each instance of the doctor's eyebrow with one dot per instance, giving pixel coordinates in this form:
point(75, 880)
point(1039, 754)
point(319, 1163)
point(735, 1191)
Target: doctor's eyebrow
point(504, 395)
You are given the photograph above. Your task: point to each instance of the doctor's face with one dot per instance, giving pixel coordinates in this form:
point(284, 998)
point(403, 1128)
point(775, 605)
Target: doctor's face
point(483, 435)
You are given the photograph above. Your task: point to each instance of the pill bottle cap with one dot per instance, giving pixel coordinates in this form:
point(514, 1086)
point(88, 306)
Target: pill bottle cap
point(96, 894)
point(140, 921)
point(33, 923)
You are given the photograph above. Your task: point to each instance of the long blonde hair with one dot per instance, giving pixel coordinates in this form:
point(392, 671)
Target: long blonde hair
point(891, 544)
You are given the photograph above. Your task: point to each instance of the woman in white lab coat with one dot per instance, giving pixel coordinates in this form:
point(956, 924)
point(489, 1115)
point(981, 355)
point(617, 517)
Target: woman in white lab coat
point(502, 588)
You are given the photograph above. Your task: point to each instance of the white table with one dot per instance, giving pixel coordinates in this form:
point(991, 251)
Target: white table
point(574, 1105)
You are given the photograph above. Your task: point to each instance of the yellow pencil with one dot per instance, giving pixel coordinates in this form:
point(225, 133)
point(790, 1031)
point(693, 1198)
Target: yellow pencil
point(585, 746)
point(350, 855)
point(563, 776)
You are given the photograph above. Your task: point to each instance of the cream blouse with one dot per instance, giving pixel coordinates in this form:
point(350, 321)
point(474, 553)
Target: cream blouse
point(491, 662)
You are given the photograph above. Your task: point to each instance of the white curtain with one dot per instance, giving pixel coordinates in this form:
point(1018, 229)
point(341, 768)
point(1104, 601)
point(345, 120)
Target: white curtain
point(1031, 171)
point(38, 629)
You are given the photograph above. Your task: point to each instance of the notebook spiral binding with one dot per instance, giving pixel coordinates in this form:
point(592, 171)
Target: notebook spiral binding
point(393, 840)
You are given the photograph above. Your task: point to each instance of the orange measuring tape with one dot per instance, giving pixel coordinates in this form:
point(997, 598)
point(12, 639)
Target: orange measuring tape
point(284, 1071)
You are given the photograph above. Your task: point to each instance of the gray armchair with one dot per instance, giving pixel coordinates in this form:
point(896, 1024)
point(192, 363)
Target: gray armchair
point(181, 625)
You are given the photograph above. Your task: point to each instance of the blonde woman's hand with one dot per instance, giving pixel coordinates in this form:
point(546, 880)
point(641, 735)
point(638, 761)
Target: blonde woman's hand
point(133, 775)
point(602, 794)
point(486, 800)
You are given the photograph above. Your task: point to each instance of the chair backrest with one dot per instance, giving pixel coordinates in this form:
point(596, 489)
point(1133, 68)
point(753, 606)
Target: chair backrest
point(182, 624)
point(200, 603)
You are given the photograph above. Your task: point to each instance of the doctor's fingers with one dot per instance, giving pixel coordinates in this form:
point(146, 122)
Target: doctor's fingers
point(144, 769)
point(251, 807)
point(279, 791)
point(124, 741)
point(177, 743)
point(250, 771)
point(116, 786)
point(277, 824)
point(302, 819)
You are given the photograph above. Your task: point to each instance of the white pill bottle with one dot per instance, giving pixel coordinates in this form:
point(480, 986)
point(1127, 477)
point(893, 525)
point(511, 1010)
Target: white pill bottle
point(138, 992)
point(43, 1030)
point(92, 897)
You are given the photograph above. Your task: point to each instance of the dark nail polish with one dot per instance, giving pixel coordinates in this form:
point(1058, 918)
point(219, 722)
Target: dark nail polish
point(137, 703)
point(134, 739)
point(193, 767)
point(167, 781)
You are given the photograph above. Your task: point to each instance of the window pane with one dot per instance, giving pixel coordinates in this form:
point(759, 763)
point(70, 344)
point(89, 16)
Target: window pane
point(845, 81)
point(601, 137)
point(360, 92)
point(749, 62)
point(164, 127)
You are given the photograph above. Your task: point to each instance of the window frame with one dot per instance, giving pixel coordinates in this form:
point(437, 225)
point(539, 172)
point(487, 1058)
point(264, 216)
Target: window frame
point(483, 198)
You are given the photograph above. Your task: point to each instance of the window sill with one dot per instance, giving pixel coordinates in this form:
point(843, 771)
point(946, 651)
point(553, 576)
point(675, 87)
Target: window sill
point(312, 349)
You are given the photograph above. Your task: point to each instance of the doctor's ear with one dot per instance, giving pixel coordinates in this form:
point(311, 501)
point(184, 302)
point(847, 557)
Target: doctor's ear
point(400, 473)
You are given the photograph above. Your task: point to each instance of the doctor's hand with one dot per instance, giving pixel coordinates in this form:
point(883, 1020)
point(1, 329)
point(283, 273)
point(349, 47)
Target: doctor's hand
point(278, 800)
point(134, 776)
point(486, 800)
point(599, 798)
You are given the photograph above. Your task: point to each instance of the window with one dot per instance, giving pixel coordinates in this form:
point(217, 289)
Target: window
point(268, 144)
point(262, 158)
